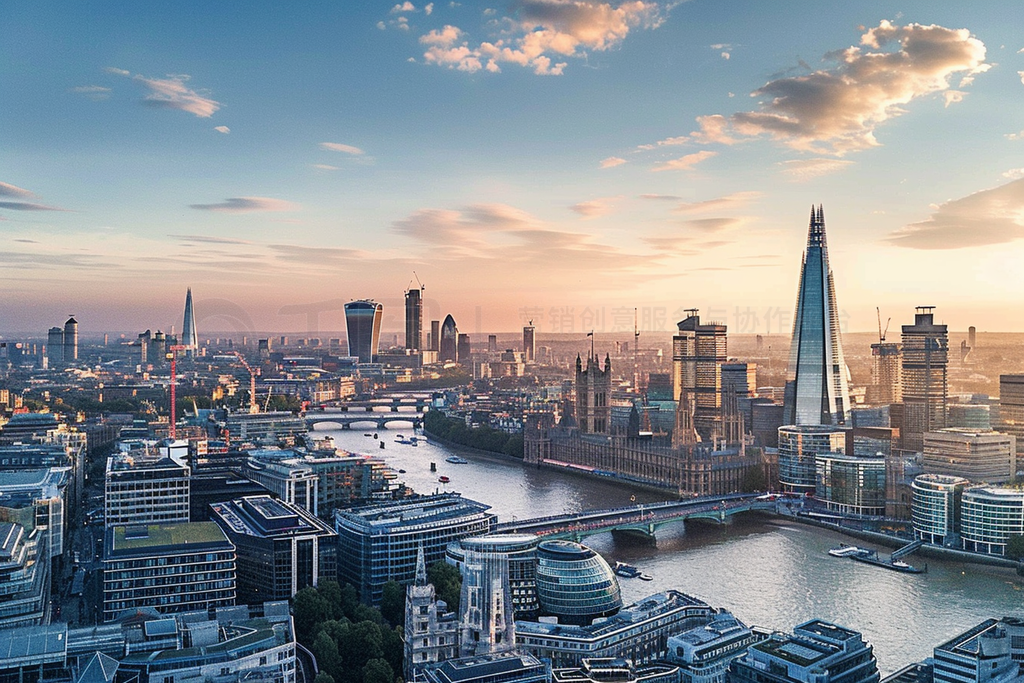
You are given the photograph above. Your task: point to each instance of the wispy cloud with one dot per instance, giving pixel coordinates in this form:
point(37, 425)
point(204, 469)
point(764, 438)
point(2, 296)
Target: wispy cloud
point(248, 205)
point(837, 110)
point(994, 216)
point(801, 170)
point(540, 33)
point(325, 167)
point(612, 162)
point(15, 192)
point(594, 207)
point(172, 92)
point(93, 92)
point(222, 129)
point(8, 190)
point(685, 163)
point(661, 197)
point(729, 201)
point(339, 147)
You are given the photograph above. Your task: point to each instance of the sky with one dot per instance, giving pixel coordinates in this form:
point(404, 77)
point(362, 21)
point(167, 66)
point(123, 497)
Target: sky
point(561, 161)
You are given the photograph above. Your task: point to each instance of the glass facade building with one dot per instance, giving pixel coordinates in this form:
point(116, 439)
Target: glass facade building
point(448, 345)
point(925, 386)
point(698, 352)
point(981, 456)
point(520, 551)
point(574, 583)
point(851, 485)
point(817, 391)
point(935, 507)
point(798, 446)
point(362, 322)
point(989, 516)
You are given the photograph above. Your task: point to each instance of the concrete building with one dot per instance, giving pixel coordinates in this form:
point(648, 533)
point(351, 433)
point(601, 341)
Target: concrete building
point(1011, 405)
point(530, 343)
point(798, 447)
point(379, 543)
point(169, 567)
point(989, 516)
point(817, 652)
point(503, 667)
point(925, 384)
point(982, 654)
point(593, 395)
point(290, 479)
point(886, 375)
point(414, 319)
point(618, 670)
point(464, 350)
point(280, 548)
point(816, 390)
point(935, 508)
point(24, 575)
point(988, 457)
point(37, 499)
point(739, 379)
point(145, 487)
point(639, 632)
point(703, 653)
point(698, 352)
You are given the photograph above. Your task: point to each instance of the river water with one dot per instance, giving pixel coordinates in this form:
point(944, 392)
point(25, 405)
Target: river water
point(768, 572)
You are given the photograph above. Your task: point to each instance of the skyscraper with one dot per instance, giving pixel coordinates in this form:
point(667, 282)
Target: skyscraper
point(529, 343)
point(449, 339)
point(362, 321)
point(55, 345)
point(464, 350)
point(413, 319)
point(925, 356)
point(816, 390)
point(189, 337)
point(698, 352)
point(70, 340)
point(434, 337)
point(886, 379)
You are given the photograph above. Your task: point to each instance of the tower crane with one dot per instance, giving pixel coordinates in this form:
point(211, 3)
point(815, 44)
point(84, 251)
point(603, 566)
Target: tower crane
point(253, 407)
point(172, 356)
point(881, 332)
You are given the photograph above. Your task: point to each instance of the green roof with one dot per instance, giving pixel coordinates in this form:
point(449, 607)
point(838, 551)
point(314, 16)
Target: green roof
point(166, 535)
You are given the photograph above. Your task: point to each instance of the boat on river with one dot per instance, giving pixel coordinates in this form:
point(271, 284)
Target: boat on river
point(848, 551)
point(444, 479)
point(456, 460)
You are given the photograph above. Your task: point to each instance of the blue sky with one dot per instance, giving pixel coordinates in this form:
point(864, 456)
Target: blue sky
point(564, 161)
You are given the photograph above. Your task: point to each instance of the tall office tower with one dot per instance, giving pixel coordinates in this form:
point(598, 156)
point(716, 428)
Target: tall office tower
point(972, 337)
point(189, 336)
point(55, 344)
point(816, 390)
point(698, 352)
point(464, 349)
point(70, 340)
point(886, 374)
point(448, 349)
point(492, 343)
point(593, 391)
point(362, 321)
point(414, 319)
point(485, 605)
point(1011, 405)
point(925, 356)
point(529, 343)
point(434, 338)
point(739, 379)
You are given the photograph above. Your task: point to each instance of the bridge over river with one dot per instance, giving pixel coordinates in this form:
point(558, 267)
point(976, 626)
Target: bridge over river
point(639, 520)
point(377, 420)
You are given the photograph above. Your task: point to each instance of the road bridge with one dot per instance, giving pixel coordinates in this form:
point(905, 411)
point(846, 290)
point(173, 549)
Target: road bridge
point(642, 520)
point(419, 403)
point(346, 420)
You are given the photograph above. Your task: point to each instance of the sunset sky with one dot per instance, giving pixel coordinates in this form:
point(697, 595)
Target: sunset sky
point(549, 159)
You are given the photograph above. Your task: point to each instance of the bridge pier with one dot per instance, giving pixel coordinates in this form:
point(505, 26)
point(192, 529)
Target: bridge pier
point(644, 536)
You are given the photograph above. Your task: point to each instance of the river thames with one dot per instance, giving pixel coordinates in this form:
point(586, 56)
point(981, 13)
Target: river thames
point(768, 572)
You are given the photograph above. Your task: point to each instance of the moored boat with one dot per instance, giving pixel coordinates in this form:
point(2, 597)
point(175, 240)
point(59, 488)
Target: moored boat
point(456, 460)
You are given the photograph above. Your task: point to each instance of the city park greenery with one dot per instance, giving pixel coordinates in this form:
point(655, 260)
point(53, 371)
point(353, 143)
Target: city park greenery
point(455, 431)
point(355, 643)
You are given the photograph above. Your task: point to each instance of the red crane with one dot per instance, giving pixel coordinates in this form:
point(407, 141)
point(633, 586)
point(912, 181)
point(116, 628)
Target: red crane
point(173, 357)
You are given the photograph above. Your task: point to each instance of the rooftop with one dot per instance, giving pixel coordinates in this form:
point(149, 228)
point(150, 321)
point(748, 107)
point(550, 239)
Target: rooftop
point(33, 642)
point(127, 539)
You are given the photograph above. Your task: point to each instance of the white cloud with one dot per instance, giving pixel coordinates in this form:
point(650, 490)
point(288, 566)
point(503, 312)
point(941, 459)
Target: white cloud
point(8, 190)
point(325, 167)
point(1014, 173)
point(222, 129)
point(800, 170)
point(172, 93)
point(1015, 136)
point(115, 70)
point(428, 9)
point(994, 216)
point(612, 162)
point(593, 208)
point(685, 162)
point(339, 147)
point(837, 110)
point(93, 92)
point(248, 205)
point(403, 7)
point(729, 201)
point(542, 32)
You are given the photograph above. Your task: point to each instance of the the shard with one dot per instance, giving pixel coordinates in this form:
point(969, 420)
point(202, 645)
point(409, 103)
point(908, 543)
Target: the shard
point(817, 390)
point(189, 337)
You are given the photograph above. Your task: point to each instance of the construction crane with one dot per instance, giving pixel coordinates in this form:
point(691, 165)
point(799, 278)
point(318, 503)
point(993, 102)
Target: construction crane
point(173, 357)
point(881, 332)
point(253, 407)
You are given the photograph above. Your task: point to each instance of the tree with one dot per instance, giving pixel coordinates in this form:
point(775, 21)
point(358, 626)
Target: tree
point(377, 670)
point(1015, 547)
point(447, 583)
point(310, 610)
point(323, 677)
point(392, 604)
point(325, 649)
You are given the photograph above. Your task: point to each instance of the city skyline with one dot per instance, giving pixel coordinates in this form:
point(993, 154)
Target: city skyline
point(557, 155)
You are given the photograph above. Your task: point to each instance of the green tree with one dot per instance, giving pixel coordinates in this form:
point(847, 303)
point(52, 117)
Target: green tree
point(362, 642)
point(754, 479)
point(1015, 547)
point(447, 583)
point(323, 677)
point(377, 670)
point(310, 610)
point(325, 649)
point(394, 648)
point(392, 604)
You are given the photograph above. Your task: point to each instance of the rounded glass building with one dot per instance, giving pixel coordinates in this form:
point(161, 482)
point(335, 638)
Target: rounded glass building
point(935, 506)
point(989, 516)
point(575, 584)
point(798, 445)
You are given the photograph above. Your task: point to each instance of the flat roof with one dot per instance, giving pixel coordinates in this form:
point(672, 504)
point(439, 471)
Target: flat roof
point(128, 538)
point(33, 642)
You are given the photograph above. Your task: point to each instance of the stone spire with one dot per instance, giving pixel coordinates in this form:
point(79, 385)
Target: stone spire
point(421, 568)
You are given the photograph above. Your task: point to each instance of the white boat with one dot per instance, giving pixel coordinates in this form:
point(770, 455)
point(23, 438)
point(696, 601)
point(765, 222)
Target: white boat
point(900, 564)
point(456, 460)
point(847, 551)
